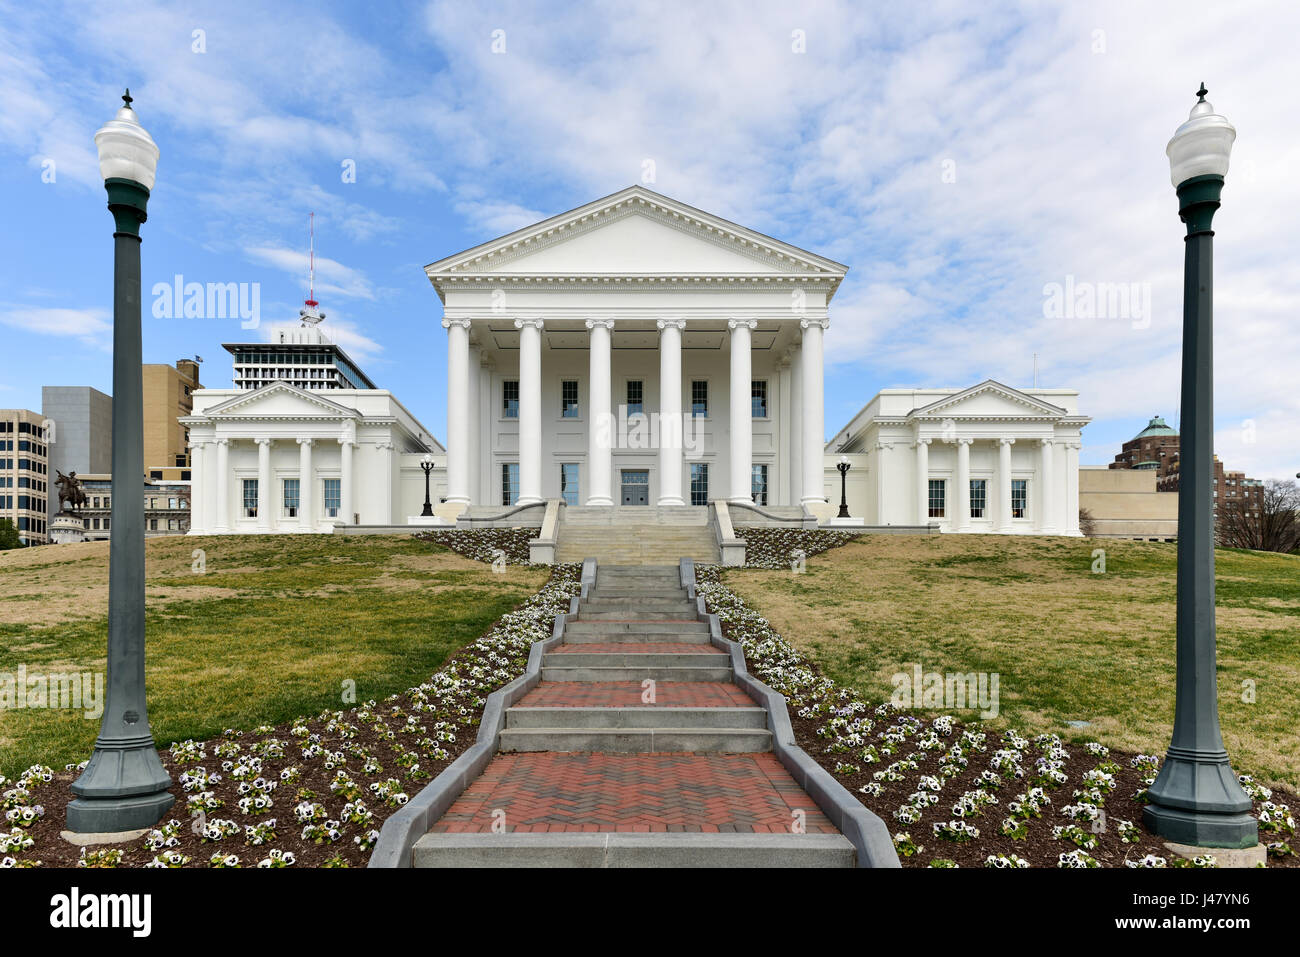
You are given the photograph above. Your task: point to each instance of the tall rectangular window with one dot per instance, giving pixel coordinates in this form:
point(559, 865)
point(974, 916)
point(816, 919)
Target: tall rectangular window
point(510, 399)
point(569, 482)
point(250, 498)
point(569, 399)
point(333, 496)
point(758, 398)
point(699, 483)
point(699, 398)
point(290, 493)
point(938, 497)
point(758, 485)
point(635, 397)
point(978, 497)
point(509, 483)
point(1019, 497)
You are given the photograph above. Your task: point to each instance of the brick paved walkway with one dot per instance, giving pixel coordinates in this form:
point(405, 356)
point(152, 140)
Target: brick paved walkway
point(555, 792)
point(627, 694)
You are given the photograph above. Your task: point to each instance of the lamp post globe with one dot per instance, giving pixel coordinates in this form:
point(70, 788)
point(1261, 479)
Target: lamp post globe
point(124, 786)
point(1196, 798)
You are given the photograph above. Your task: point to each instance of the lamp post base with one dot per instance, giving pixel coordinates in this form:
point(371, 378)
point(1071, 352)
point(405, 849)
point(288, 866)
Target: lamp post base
point(1196, 800)
point(101, 815)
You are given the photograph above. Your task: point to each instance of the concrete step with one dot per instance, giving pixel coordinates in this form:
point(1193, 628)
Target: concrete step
point(639, 637)
point(620, 591)
point(637, 740)
point(639, 603)
point(706, 655)
point(622, 849)
point(574, 629)
point(563, 671)
point(685, 613)
point(752, 718)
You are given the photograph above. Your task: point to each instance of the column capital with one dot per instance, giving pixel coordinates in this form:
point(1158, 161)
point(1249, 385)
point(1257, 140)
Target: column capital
point(384, 446)
point(1073, 445)
point(750, 324)
point(805, 323)
point(921, 442)
point(603, 323)
point(462, 323)
point(198, 443)
point(677, 324)
point(1047, 443)
point(221, 442)
point(306, 443)
point(960, 441)
point(347, 440)
point(537, 324)
point(264, 440)
point(1006, 441)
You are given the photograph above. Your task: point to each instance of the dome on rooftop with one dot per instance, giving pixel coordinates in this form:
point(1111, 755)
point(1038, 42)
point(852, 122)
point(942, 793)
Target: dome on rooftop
point(1157, 426)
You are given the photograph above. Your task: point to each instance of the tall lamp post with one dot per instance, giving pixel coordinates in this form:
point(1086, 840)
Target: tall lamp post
point(843, 466)
point(426, 463)
point(1196, 798)
point(124, 786)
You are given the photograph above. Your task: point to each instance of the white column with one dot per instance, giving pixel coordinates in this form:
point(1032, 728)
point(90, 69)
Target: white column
point(670, 411)
point(782, 477)
point(814, 412)
point(530, 410)
point(962, 523)
point(923, 481)
point(796, 426)
point(1046, 505)
point(740, 467)
point(346, 444)
point(477, 413)
point(223, 487)
point(600, 424)
point(263, 485)
point(198, 488)
point(458, 402)
point(385, 450)
point(1004, 484)
point(1071, 486)
point(306, 514)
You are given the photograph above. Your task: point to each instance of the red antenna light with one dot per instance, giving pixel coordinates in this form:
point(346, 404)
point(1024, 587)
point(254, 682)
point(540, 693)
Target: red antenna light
point(311, 261)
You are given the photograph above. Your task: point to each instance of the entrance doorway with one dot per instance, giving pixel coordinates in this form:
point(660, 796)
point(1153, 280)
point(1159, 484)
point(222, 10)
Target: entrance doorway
point(636, 487)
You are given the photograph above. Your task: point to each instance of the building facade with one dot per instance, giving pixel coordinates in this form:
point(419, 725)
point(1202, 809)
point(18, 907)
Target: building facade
point(168, 397)
point(166, 507)
point(25, 474)
point(634, 351)
point(988, 458)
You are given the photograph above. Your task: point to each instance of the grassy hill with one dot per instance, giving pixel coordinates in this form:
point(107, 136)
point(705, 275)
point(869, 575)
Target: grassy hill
point(270, 629)
point(1069, 644)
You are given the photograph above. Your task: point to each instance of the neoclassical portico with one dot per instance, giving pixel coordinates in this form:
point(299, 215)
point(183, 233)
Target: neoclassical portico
point(634, 351)
point(989, 458)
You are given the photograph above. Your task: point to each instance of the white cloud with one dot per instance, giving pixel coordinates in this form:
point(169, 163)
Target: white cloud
point(94, 327)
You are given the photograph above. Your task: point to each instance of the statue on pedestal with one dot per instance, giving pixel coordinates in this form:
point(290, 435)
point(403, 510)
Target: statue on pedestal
point(70, 491)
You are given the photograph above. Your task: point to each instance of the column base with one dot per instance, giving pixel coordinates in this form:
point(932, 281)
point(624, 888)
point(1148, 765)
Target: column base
point(1196, 800)
point(600, 501)
point(670, 500)
point(530, 500)
point(109, 815)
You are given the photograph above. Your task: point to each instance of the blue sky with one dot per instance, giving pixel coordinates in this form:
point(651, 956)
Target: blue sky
point(960, 158)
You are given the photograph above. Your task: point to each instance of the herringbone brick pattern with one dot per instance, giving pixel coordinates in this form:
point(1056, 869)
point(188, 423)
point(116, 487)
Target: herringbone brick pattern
point(558, 791)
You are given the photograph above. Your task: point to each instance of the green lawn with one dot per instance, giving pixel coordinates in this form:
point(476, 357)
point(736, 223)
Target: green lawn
point(1068, 644)
point(272, 629)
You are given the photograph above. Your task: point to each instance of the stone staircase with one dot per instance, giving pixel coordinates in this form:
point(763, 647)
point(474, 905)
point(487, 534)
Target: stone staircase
point(635, 749)
point(636, 535)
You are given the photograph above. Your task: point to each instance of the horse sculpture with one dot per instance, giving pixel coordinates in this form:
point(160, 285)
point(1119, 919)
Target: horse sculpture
point(70, 491)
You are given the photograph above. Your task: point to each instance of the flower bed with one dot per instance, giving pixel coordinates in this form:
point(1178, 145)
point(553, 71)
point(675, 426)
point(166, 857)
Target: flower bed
point(775, 547)
point(483, 544)
point(957, 795)
point(311, 793)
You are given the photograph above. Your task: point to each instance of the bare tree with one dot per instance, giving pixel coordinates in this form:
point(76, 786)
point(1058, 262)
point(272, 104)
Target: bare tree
point(1087, 524)
point(1268, 523)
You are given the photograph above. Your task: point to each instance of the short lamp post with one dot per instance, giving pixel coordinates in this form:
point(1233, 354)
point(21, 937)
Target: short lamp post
point(843, 466)
point(124, 786)
point(426, 463)
point(1196, 798)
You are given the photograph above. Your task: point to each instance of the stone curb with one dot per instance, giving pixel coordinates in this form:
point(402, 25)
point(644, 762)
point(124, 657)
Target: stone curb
point(864, 830)
point(399, 833)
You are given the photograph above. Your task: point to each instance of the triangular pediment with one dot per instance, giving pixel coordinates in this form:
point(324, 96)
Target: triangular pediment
point(635, 232)
point(280, 400)
point(989, 399)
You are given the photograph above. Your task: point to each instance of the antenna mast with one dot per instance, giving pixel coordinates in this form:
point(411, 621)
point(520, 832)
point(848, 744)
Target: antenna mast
point(308, 314)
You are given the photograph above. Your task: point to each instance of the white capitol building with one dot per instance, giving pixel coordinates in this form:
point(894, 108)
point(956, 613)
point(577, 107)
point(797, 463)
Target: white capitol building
point(634, 352)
